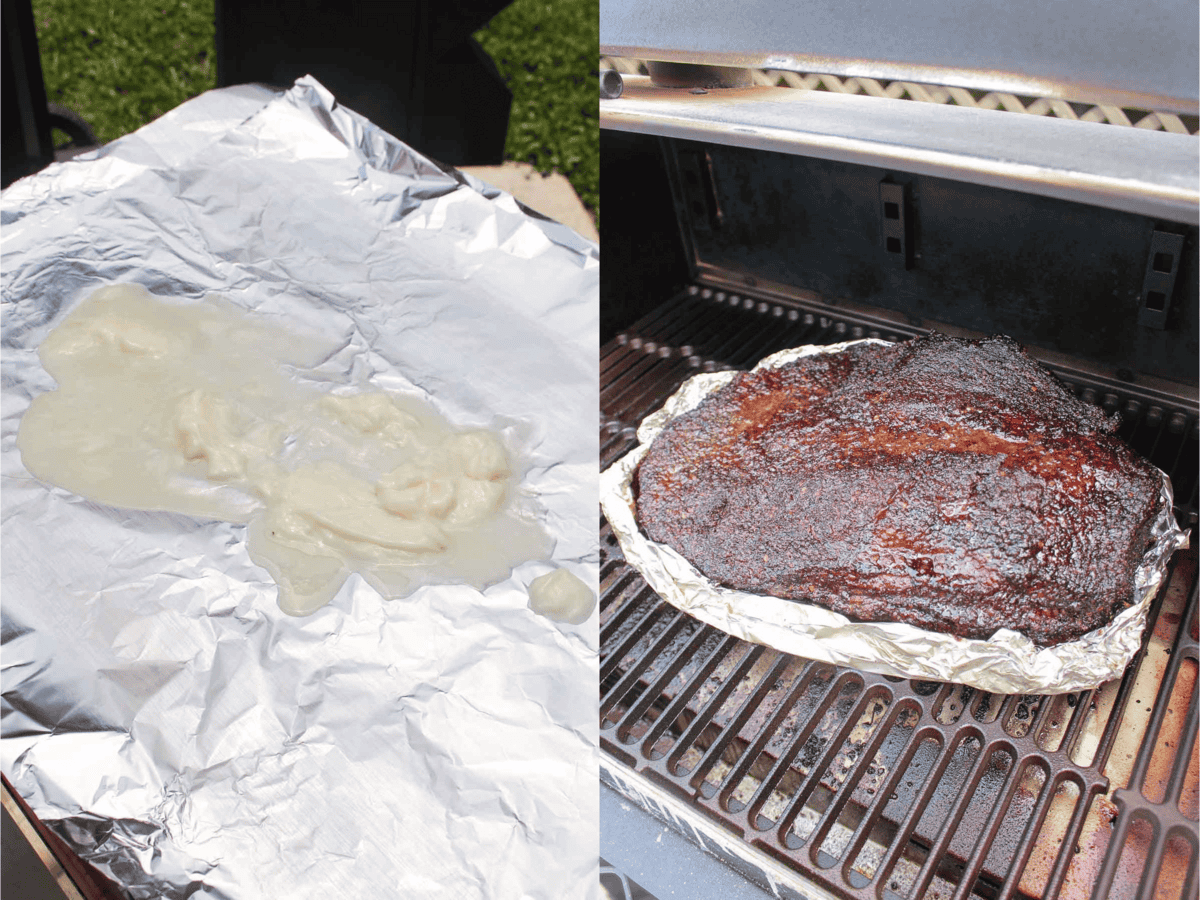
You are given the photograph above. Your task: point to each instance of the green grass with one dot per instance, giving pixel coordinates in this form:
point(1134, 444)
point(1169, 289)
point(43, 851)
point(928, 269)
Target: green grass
point(547, 52)
point(122, 64)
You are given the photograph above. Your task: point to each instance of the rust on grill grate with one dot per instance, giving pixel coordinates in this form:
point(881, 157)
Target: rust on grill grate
point(871, 786)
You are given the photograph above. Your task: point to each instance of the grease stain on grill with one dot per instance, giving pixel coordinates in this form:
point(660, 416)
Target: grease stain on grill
point(954, 703)
point(1024, 713)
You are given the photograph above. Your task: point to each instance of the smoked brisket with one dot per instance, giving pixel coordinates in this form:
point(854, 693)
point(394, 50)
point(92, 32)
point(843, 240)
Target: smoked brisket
point(953, 485)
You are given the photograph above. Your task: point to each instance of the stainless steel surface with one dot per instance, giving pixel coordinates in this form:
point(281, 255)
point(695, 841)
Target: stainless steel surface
point(1089, 50)
point(681, 853)
point(1150, 173)
point(611, 84)
point(656, 862)
point(616, 885)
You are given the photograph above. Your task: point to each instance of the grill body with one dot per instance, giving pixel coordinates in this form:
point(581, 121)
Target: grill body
point(819, 781)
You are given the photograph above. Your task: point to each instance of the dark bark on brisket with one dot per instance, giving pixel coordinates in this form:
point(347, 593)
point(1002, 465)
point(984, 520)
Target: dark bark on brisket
point(952, 485)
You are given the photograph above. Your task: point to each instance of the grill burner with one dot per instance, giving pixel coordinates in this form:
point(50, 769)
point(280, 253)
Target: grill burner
point(870, 786)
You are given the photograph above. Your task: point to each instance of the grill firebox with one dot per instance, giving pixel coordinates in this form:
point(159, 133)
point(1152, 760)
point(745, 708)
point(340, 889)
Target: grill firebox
point(861, 785)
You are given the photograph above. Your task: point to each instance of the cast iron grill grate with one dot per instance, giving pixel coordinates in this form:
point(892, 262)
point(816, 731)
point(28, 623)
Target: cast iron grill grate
point(869, 786)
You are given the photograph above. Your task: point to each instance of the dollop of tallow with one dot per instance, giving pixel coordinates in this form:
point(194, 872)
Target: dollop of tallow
point(189, 408)
point(561, 596)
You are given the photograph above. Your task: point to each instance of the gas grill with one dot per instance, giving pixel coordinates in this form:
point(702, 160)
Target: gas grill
point(742, 221)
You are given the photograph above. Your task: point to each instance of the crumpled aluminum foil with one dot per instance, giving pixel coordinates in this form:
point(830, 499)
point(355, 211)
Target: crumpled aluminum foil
point(1008, 663)
point(160, 712)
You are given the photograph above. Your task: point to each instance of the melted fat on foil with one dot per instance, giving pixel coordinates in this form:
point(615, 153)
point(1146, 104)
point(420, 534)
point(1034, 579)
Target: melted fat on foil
point(189, 408)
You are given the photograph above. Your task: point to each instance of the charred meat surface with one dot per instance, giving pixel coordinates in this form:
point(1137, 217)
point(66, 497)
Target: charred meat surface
point(953, 485)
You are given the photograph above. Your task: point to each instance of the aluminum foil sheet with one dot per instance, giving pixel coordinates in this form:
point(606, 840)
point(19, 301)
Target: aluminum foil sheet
point(1007, 663)
point(160, 712)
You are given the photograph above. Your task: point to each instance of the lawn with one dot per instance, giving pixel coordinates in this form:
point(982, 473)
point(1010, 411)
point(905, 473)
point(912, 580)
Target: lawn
point(547, 51)
point(121, 65)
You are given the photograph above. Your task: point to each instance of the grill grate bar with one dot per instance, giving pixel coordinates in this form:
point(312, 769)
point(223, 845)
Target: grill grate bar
point(668, 323)
point(715, 326)
point(1075, 728)
point(778, 664)
point(612, 363)
point(745, 345)
point(641, 398)
point(783, 764)
point(941, 844)
point(762, 343)
point(751, 753)
point(698, 319)
point(974, 865)
point(680, 621)
point(1029, 834)
point(676, 707)
point(631, 374)
point(929, 787)
point(614, 577)
point(853, 779)
point(1187, 743)
point(1154, 858)
point(1189, 885)
point(823, 764)
point(874, 813)
point(1070, 840)
point(1125, 692)
point(615, 581)
point(705, 715)
point(738, 330)
point(1131, 802)
point(618, 446)
point(1178, 453)
point(654, 691)
point(634, 358)
point(651, 611)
